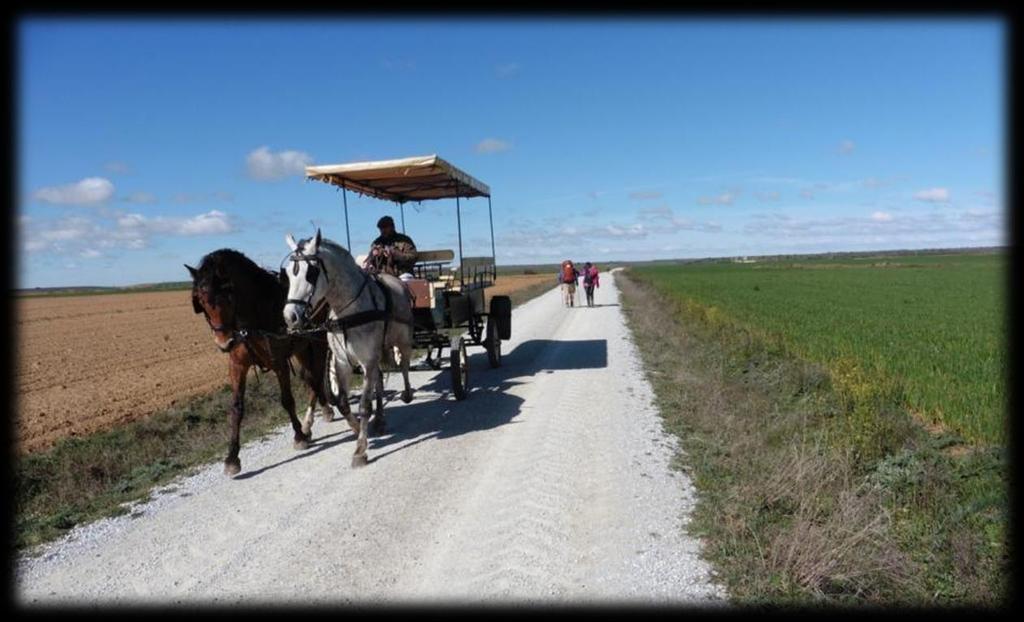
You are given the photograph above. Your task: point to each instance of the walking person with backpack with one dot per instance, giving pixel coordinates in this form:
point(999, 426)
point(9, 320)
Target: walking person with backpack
point(590, 281)
point(567, 276)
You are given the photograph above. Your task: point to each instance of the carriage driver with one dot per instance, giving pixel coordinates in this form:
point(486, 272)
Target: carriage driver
point(391, 252)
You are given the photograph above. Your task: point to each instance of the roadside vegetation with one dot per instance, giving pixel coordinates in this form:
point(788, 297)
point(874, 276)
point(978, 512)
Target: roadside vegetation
point(82, 479)
point(830, 465)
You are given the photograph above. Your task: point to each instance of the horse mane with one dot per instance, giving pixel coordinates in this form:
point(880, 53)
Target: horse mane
point(258, 295)
point(336, 248)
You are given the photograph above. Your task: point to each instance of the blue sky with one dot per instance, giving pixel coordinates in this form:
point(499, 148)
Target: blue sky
point(144, 144)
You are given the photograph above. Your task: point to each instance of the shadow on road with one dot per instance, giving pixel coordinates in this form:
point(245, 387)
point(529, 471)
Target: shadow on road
point(488, 404)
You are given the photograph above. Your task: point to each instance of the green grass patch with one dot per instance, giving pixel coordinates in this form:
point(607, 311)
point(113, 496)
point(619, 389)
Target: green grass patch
point(812, 488)
point(929, 331)
point(82, 479)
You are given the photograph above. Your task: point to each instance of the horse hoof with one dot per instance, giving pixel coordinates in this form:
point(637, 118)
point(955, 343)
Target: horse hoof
point(307, 431)
point(302, 443)
point(378, 429)
point(232, 467)
point(359, 460)
point(406, 396)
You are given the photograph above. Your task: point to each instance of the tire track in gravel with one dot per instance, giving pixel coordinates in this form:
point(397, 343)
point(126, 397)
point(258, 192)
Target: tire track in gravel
point(550, 483)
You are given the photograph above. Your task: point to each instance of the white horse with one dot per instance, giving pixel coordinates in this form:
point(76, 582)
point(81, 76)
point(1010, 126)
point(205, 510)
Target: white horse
point(370, 317)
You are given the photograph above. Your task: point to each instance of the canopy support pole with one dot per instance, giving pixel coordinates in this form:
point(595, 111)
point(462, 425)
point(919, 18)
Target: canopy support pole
point(401, 206)
point(458, 216)
point(344, 198)
point(490, 217)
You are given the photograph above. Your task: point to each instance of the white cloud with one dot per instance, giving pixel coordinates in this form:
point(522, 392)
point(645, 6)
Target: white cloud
point(846, 147)
point(806, 193)
point(492, 145)
point(879, 227)
point(212, 222)
point(83, 236)
point(264, 164)
point(771, 195)
point(933, 195)
point(88, 191)
point(74, 228)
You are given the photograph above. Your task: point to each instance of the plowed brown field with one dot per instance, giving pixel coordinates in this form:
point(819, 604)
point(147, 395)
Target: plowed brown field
point(89, 363)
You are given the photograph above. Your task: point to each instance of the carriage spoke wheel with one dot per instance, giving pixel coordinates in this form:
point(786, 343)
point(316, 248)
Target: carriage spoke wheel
point(493, 344)
point(459, 368)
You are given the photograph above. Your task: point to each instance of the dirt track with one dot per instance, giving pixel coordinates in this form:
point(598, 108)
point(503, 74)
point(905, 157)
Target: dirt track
point(550, 482)
point(89, 363)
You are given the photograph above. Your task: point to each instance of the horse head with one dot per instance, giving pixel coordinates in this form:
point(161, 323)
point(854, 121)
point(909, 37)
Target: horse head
point(307, 280)
point(213, 296)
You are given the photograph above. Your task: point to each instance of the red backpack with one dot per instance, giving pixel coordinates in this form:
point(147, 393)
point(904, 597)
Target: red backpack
point(568, 274)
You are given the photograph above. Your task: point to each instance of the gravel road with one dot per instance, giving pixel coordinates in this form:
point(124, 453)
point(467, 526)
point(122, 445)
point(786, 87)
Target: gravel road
point(549, 483)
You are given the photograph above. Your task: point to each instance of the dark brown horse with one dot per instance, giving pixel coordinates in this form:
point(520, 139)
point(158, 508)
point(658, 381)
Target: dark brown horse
point(243, 305)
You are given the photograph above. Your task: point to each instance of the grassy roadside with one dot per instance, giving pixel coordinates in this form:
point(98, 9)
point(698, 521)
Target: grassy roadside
point(82, 479)
point(792, 510)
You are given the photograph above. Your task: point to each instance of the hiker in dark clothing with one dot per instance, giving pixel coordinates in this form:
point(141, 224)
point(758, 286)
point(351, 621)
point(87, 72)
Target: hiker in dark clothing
point(590, 281)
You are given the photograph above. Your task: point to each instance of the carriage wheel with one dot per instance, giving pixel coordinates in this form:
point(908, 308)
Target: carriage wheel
point(493, 344)
point(459, 368)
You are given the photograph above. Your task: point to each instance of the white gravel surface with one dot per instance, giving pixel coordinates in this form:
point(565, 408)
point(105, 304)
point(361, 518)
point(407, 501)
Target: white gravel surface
point(550, 483)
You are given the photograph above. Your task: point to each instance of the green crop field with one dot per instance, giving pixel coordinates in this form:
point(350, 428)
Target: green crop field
point(930, 328)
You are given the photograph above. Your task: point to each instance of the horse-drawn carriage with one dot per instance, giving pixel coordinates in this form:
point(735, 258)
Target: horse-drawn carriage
point(448, 301)
point(262, 318)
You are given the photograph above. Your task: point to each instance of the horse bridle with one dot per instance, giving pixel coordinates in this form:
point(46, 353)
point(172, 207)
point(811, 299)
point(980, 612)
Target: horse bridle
point(313, 270)
point(219, 328)
point(316, 266)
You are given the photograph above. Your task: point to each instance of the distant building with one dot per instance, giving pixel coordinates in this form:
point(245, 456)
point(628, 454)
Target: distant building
point(743, 259)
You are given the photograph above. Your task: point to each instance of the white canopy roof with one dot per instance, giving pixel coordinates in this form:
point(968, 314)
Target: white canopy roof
point(407, 179)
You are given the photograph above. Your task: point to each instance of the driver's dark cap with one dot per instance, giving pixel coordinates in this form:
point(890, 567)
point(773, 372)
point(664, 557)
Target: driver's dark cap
point(386, 221)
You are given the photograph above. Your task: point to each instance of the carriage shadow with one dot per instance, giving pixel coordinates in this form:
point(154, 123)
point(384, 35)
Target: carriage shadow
point(489, 404)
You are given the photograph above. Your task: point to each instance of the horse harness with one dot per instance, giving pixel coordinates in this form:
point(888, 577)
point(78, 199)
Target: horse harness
point(242, 335)
point(349, 321)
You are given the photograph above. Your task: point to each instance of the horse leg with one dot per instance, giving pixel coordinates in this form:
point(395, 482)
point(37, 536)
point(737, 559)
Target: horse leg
point(307, 420)
point(405, 347)
point(379, 426)
point(365, 412)
point(239, 369)
point(339, 373)
point(284, 381)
